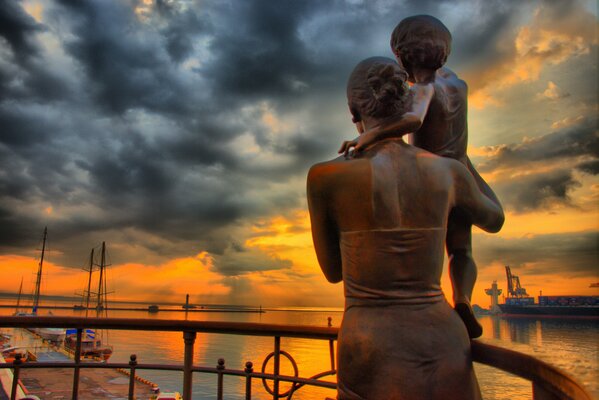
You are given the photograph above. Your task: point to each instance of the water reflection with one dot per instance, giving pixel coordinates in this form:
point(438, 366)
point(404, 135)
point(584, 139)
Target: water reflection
point(571, 345)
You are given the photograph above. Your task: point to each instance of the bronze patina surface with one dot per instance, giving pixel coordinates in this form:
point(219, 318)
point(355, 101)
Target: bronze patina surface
point(379, 224)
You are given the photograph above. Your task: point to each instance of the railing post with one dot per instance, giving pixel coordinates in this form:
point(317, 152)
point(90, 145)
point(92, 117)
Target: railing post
point(220, 367)
point(132, 365)
point(277, 367)
point(15, 376)
point(332, 353)
point(189, 338)
point(248, 380)
point(77, 370)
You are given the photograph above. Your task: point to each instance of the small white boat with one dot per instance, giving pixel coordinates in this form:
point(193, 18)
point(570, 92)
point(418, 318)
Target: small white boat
point(51, 334)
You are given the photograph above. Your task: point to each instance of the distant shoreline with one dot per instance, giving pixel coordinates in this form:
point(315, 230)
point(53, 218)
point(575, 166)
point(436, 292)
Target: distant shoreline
point(231, 309)
point(26, 303)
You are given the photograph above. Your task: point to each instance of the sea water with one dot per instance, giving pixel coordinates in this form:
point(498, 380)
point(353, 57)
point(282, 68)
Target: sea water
point(571, 345)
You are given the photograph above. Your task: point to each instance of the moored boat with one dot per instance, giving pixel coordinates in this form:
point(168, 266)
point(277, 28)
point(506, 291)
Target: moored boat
point(91, 345)
point(51, 334)
point(519, 303)
point(94, 344)
point(10, 354)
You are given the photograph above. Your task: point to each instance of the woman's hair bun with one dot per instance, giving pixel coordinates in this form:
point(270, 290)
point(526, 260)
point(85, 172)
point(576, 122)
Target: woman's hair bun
point(377, 87)
point(387, 83)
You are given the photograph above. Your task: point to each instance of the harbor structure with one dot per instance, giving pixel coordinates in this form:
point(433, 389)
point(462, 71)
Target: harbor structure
point(519, 303)
point(494, 293)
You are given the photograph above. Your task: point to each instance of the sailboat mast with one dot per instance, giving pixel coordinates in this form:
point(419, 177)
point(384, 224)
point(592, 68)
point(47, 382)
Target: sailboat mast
point(19, 296)
point(105, 287)
point(89, 282)
point(100, 281)
point(38, 282)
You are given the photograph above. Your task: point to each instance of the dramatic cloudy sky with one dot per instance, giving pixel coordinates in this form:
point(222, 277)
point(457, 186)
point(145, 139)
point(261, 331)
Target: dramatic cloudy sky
point(181, 132)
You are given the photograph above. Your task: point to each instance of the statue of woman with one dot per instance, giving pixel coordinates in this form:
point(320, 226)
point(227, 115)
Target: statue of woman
point(438, 123)
point(379, 222)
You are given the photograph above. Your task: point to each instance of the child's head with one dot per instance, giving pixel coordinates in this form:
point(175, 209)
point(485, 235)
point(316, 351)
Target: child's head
point(421, 41)
point(377, 89)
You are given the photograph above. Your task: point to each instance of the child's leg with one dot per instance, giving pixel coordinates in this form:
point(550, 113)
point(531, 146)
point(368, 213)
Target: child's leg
point(462, 269)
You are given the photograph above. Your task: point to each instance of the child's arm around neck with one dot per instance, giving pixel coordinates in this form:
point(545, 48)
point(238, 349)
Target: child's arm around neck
point(396, 126)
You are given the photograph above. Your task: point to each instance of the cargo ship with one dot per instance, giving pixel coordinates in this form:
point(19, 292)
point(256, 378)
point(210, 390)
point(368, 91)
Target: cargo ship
point(519, 303)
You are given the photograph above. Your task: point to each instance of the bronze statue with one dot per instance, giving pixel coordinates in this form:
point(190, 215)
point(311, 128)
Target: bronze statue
point(379, 222)
point(438, 118)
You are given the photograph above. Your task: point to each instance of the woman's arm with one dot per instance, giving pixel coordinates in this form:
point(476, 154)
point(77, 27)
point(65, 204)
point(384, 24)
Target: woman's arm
point(397, 126)
point(325, 233)
point(482, 184)
point(484, 211)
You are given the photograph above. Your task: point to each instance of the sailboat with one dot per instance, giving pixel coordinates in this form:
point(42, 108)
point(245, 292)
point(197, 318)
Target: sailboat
point(19, 298)
point(92, 346)
point(51, 334)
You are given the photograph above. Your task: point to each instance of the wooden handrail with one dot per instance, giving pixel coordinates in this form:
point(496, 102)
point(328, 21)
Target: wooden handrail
point(545, 377)
point(234, 328)
point(548, 381)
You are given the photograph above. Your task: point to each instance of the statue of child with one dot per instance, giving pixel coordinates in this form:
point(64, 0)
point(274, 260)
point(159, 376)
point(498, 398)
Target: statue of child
point(438, 121)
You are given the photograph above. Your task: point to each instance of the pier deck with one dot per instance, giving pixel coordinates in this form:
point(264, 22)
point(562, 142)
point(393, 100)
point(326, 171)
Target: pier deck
point(57, 383)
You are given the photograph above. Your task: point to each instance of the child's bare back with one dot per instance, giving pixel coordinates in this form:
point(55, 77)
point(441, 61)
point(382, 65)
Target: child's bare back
point(444, 130)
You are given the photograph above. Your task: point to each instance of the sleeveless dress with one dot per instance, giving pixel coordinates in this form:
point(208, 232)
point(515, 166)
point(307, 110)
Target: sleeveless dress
point(399, 338)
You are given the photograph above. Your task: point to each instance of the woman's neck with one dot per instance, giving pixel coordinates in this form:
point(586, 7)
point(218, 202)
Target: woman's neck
point(423, 75)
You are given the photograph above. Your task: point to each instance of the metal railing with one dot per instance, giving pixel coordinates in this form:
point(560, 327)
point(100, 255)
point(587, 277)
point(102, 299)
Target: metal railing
point(548, 382)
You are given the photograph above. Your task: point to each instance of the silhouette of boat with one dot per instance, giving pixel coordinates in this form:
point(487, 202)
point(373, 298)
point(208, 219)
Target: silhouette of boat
point(93, 342)
point(91, 345)
point(51, 334)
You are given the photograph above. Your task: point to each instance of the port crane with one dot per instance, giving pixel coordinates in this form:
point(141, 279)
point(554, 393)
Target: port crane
point(513, 284)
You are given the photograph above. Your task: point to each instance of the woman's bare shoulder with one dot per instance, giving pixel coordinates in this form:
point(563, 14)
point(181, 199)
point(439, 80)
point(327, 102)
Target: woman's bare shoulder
point(326, 171)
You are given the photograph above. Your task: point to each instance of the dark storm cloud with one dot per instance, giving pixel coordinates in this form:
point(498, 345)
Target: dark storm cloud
point(236, 261)
point(577, 145)
point(128, 127)
point(125, 66)
point(13, 232)
point(575, 141)
point(180, 27)
point(590, 167)
point(17, 27)
point(260, 55)
point(536, 191)
point(27, 77)
point(20, 128)
point(480, 28)
point(566, 254)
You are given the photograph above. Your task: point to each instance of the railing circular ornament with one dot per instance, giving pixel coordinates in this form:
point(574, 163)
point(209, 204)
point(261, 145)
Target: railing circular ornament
point(295, 374)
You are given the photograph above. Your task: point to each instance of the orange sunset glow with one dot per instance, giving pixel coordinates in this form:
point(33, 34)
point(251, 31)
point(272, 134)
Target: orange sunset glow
point(183, 141)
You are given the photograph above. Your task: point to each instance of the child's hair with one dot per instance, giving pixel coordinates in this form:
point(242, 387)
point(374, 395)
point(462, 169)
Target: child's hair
point(377, 88)
point(421, 41)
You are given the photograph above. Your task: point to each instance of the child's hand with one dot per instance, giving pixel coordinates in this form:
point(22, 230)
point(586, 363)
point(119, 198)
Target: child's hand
point(346, 147)
point(358, 144)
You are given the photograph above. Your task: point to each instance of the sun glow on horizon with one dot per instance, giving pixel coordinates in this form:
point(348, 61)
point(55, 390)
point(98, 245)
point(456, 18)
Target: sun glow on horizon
point(186, 143)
